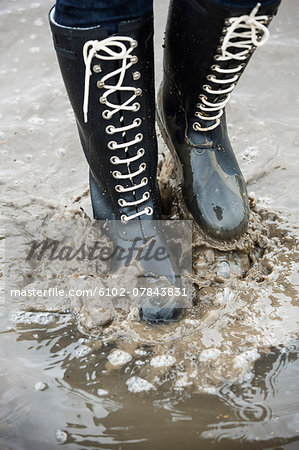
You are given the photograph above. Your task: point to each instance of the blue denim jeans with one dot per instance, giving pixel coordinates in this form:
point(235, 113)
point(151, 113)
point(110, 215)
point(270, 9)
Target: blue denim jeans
point(108, 13)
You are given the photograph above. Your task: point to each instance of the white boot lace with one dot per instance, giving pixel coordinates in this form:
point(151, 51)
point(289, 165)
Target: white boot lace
point(115, 48)
point(244, 39)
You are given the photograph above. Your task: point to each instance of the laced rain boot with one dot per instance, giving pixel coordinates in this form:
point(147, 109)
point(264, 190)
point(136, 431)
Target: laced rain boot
point(207, 47)
point(110, 84)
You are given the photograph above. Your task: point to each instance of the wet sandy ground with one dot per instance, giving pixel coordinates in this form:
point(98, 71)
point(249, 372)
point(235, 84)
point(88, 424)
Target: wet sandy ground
point(228, 372)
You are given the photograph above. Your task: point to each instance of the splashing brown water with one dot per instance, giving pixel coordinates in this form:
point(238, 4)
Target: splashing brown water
point(244, 303)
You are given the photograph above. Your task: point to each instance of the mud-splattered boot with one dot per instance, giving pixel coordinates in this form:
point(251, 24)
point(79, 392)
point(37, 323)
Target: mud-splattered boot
point(207, 47)
point(110, 84)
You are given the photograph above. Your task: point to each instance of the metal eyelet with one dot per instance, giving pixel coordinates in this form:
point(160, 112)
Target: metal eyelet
point(111, 145)
point(142, 166)
point(217, 57)
point(215, 67)
point(100, 84)
point(141, 151)
point(124, 219)
point(136, 106)
point(202, 96)
point(137, 122)
point(119, 188)
point(134, 43)
point(146, 195)
point(134, 59)
point(139, 136)
point(138, 91)
point(106, 114)
point(110, 129)
point(114, 160)
point(144, 180)
point(103, 100)
point(227, 22)
point(136, 75)
point(97, 68)
point(149, 211)
point(206, 87)
point(116, 174)
point(121, 202)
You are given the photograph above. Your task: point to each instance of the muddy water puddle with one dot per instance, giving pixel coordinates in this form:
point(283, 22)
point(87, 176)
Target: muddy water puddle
point(61, 393)
point(226, 372)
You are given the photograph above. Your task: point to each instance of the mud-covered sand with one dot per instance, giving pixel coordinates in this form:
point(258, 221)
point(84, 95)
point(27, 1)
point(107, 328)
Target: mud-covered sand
point(76, 375)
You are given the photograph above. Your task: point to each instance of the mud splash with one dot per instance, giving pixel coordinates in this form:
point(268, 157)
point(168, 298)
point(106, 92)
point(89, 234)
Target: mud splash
point(245, 302)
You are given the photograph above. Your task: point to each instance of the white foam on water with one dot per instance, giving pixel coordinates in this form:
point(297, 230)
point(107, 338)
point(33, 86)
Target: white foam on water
point(163, 361)
point(137, 384)
point(119, 358)
point(140, 352)
point(182, 382)
point(82, 351)
point(210, 353)
point(243, 360)
point(102, 392)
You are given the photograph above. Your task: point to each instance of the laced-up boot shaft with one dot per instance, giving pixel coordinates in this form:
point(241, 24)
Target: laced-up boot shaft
point(240, 37)
point(223, 39)
point(110, 83)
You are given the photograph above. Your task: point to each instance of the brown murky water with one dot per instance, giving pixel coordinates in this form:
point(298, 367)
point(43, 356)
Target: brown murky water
point(226, 376)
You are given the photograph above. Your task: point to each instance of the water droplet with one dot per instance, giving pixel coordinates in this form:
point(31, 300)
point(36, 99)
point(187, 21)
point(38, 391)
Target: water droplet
point(40, 386)
point(34, 50)
point(61, 152)
point(102, 392)
point(38, 22)
point(61, 436)
point(36, 120)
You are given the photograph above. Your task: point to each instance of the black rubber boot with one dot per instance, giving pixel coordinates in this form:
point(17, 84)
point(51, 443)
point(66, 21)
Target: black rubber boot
point(110, 84)
point(207, 47)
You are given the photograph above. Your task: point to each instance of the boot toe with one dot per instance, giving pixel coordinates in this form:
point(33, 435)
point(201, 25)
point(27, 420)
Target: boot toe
point(225, 219)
